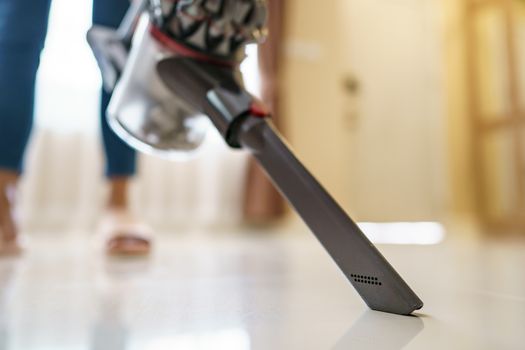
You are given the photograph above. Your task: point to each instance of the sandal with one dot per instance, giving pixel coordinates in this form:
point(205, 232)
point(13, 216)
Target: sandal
point(123, 235)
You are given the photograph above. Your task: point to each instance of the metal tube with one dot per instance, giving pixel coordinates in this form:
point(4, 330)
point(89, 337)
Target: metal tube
point(363, 265)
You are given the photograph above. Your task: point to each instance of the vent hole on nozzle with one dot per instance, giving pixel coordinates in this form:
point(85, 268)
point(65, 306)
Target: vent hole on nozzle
point(366, 279)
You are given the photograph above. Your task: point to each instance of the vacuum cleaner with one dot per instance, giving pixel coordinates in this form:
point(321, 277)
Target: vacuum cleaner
point(173, 67)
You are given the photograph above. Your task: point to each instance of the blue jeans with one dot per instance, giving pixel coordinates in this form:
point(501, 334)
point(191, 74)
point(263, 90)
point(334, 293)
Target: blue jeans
point(23, 28)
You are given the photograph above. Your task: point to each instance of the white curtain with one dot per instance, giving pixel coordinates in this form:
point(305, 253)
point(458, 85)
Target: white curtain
point(63, 186)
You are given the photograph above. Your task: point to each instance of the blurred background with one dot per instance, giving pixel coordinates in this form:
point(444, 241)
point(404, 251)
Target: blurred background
point(406, 110)
point(410, 112)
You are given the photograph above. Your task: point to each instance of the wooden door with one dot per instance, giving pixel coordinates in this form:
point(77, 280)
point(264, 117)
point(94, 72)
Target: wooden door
point(496, 60)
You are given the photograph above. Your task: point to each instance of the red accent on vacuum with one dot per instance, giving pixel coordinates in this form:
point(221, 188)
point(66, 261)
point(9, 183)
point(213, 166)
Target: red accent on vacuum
point(259, 110)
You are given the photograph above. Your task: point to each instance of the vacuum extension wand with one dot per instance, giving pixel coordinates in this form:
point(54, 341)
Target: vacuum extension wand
point(214, 91)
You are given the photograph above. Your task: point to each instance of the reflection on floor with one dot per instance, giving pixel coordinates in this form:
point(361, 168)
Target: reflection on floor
point(264, 291)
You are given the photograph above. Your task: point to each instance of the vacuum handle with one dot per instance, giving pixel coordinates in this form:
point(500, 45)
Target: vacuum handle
point(363, 265)
point(127, 27)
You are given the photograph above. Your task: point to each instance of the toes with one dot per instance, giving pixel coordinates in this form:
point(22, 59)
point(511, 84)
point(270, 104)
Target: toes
point(7, 222)
point(9, 247)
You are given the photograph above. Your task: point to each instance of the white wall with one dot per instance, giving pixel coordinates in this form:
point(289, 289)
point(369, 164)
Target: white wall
point(382, 151)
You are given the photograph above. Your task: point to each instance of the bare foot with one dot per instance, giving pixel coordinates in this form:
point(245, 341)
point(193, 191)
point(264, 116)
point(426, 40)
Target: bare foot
point(124, 234)
point(9, 243)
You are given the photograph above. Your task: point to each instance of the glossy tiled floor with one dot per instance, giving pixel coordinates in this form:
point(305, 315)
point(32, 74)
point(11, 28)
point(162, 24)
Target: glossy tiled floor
point(267, 291)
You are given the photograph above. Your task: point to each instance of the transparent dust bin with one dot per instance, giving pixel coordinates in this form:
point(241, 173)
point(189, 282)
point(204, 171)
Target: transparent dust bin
point(145, 113)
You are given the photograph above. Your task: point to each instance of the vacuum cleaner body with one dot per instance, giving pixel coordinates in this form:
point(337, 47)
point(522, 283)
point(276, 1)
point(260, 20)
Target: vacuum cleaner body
point(183, 65)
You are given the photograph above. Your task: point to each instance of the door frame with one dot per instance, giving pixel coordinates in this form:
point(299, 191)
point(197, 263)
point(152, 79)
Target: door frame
point(513, 122)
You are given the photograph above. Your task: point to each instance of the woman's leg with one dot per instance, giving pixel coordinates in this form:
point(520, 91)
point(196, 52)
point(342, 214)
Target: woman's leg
point(23, 27)
point(126, 237)
point(120, 158)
